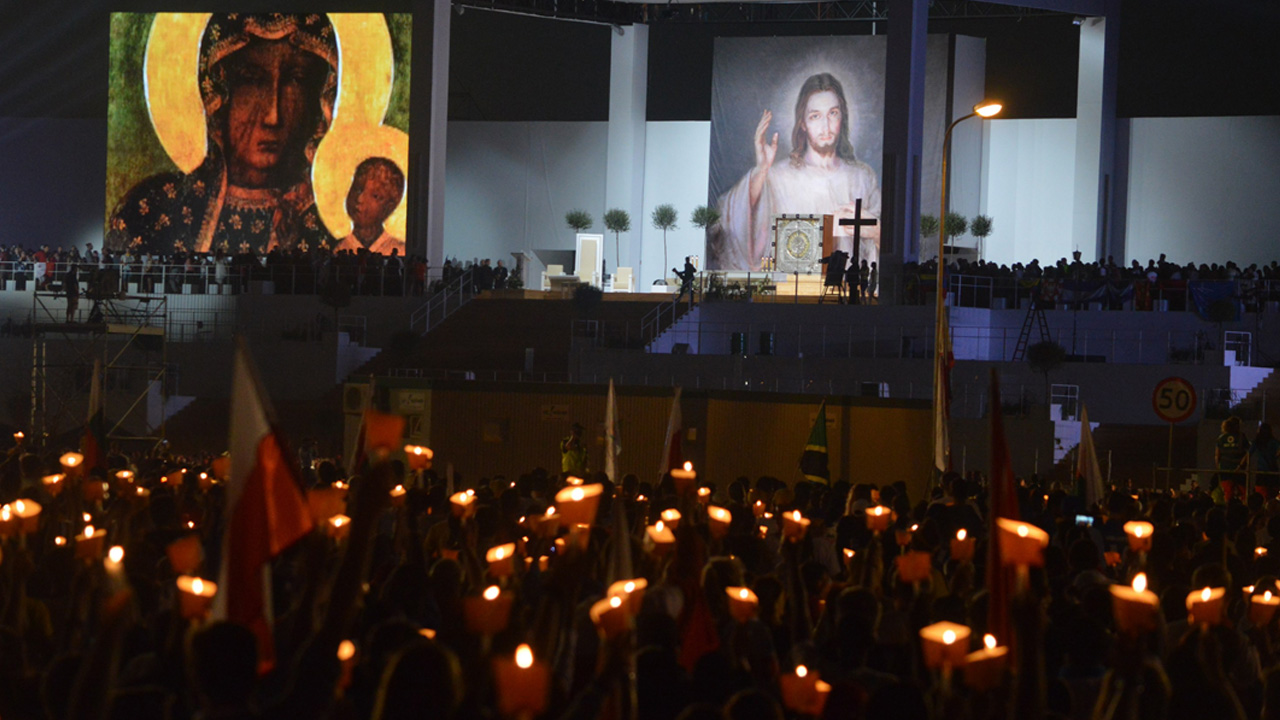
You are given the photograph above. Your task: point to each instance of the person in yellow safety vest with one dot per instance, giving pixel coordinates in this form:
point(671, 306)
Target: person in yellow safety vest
point(573, 454)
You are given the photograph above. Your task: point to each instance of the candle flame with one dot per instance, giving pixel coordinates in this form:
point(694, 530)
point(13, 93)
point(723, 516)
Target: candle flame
point(471, 493)
point(499, 553)
point(87, 517)
point(191, 524)
point(197, 586)
point(743, 593)
point(115, 554)
point(577, 494)
point(337, 521)
point(615, 601)
point(1260, 551)
point(688, 466)
point(961, 534)
point(524, 657)
point(5, 512)
point(878, 511)
point(948, 637)
point(629, 587)
point(1266, 596)
point(1204, 595)
point(801, 671)
point(1140, 582)
point(397, 491)
point(1137, 531)
point(59, 541)
point(1023, 531)
point(88, 531)
point(704, 491)
point(914, 528)
point(491, 592)
point(848, 552)
point(658, 526)
point(20, 507)
point(551, 511)
point(795, 515)
point(346, 650)
point(989, 640)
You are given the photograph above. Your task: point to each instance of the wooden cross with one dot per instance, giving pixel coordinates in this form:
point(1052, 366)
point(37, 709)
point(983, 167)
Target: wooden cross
point(858, 222)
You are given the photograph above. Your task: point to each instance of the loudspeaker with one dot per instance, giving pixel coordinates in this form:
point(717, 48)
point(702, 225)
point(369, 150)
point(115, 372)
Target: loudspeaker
point(355, 398)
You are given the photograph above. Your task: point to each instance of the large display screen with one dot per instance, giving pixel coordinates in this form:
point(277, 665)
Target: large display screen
point(251, 132)
point(796, 128)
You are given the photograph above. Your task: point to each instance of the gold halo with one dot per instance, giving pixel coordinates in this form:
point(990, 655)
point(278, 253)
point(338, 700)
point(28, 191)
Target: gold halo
point(365, 77)
point(171, 89)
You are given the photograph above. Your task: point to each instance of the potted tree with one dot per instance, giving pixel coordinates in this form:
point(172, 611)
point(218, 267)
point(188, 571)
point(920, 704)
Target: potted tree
point(956, 226)
point(664, 218)
point(980, 228)
point(617, 220)
point(929, 228)
point(578, 220)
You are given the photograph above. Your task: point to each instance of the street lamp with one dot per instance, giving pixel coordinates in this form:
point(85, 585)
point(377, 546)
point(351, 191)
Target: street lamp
point(941, 352)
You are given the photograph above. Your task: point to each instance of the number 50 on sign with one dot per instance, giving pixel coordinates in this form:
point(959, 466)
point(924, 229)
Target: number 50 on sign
point(1174, 400)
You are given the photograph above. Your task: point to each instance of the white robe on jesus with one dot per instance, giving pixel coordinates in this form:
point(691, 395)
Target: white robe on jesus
point(744, 237)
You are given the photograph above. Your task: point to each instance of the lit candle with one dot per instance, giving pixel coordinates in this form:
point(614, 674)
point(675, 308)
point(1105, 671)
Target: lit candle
point(398, 495)
point(487, 613)
point(54, 483)
point(572, 480)
point(1205, 606)
point(758, 508)
point(195, 596)
point(903, 535)
point(962, 546)
point(347, 659)
point(878, 518)
point(684, 478)
point(610, 617)
point(1135, 608)
point(849, 554)
point(114, 566)
point(205, 480)
point(914, 566)
point(419, 457)
point(124, 476)
point(1139, 533)
point(1248, 592)
point(548, 524)
point(8, 523)
point(27, 515)
point(18, 436)
point(325, 502)
point(339, 527)
point(1263, 607)
point(704, 495)
point(1021, 543)
point(427, 633)
point(1259, 553)
point(945, 644)
point(522, 683)
point(185, 554)
point(72, 462)
point(718, 520)
point(658, 538)
point(89, 543)
point(59, 541)
point(794, 526)
point(463, 504)
point(671, 517)
point(631, 592)
point(577, 504)
point(500, 559)
point(803, 692)
point(984, 669)
point(743, 604)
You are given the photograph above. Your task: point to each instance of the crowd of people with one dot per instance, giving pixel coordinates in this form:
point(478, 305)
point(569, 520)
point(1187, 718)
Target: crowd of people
point(302, 270)
point(384, 618)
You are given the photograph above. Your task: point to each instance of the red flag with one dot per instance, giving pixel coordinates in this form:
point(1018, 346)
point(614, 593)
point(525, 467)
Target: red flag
point(265, 509)
point(1003, 503)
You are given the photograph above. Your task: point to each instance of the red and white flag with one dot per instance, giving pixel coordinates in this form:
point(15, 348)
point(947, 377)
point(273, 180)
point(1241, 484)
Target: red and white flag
point(266, 510)
point(672, 452)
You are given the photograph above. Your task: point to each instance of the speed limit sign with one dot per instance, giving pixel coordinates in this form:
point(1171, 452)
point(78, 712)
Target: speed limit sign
point(1174, 400)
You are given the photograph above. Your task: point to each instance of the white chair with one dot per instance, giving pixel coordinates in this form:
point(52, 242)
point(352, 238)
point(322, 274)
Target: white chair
point(623, 280)
point(551, 270)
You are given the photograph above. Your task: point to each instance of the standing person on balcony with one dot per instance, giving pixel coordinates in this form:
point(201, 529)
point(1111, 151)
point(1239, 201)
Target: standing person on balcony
point(686, 278)
point(1231, 455)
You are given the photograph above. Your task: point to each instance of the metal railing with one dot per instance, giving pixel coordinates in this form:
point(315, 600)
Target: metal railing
point(983, 291)
point(207, 278)
point(446, 301)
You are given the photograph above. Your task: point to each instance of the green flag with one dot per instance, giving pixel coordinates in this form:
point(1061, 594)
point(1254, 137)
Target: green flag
point(813, 462)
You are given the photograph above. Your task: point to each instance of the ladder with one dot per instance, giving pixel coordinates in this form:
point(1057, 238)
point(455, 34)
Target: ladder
point(1035, 317)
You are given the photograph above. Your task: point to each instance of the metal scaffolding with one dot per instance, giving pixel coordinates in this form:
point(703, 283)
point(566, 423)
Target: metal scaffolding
point(125, 332)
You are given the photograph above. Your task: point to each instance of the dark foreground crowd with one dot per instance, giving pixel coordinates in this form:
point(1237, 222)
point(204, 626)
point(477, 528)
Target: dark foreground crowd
point(400, 582)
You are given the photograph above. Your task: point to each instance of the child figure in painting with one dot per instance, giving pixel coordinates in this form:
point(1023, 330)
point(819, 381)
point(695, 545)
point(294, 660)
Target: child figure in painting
point(376, 191)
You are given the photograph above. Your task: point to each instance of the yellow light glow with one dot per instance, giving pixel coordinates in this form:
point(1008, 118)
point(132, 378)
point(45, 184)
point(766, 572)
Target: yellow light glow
point(1023, 531)
point(989, 640)
point(961, 534)
point(988, 108)
point(948, 637)
point(346, 650)
point(491, 592)
point(577, 494)
point(197, 586)
point(688, 467)
point(524, 657)
point(1140, 582)
point(743, 593)
point(116, 554)
point(801, 671)
point(615, 601)
point(629, 587)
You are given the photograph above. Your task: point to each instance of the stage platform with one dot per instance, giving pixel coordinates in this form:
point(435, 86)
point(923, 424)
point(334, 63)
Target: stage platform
point(780, 288)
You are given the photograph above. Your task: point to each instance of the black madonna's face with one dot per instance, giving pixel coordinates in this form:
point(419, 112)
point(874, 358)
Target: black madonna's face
point(273, 108)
